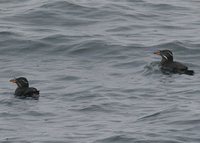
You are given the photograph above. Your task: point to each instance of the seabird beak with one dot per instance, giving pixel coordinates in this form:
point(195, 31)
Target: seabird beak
point(13, 81)
point(157, 53)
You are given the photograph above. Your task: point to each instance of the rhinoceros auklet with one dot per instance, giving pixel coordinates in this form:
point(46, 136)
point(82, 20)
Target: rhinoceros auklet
point(23, 90)
point(168, 65)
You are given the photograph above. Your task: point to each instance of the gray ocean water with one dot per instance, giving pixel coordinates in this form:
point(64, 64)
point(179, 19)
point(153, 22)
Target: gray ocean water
point(93, 62)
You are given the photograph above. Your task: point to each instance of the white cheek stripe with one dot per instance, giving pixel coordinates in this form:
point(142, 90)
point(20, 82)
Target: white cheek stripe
point(24, 81)
point(19, 84)
point(170, 54)
point(165, 57)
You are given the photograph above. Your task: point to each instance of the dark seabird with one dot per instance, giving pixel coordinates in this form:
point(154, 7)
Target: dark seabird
point(168, 65)
point(23, 90)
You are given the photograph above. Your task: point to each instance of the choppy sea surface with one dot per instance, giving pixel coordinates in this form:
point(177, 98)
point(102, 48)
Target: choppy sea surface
point(93, 62)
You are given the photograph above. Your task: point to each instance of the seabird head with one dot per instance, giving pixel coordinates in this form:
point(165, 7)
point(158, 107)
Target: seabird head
point(21, 82)
point(166, 55)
